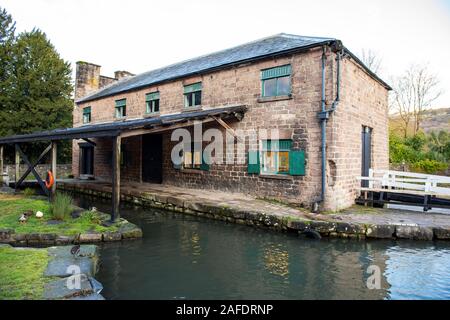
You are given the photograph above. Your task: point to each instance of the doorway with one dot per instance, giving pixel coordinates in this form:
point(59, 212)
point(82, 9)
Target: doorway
point(87, 159)
point(366, 160)
point(152, 158)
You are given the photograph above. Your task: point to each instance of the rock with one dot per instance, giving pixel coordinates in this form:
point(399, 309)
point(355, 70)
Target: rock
point(90, 251)
point(5, 234)
point(323, 227)
point(349, 228)
point(61, 288)
point(300, 225)
point(442, 233)
point(64, 240)
point(90, 237)
point(130, 231)
point(414, 232)
point(380, 231)
point(88, 297)
point(112, 236)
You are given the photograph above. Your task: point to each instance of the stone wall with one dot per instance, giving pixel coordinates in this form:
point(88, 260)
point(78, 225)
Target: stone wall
point(63, 170)
point(363, 102)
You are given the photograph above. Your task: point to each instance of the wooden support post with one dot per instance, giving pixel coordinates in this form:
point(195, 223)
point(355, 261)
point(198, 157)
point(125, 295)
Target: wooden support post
point(17, 173)
point(54, 163)
point(1, 164)
point(115, 214)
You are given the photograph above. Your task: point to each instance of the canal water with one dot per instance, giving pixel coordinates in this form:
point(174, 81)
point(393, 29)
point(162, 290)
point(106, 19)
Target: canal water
point(183, 257)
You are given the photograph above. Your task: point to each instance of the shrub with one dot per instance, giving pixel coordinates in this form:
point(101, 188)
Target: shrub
point(429, 166)
point(28, 192)
point(61, 206)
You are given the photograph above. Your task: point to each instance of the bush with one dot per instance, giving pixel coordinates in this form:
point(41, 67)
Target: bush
point(429, 166)
point(28, 192)
point(61, 207)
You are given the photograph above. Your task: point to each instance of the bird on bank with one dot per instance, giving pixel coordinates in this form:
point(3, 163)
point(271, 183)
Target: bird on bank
point(75, 251)
point(23, 218)
point(39, 214)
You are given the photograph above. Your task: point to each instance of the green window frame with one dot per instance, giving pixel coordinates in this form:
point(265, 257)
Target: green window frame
point(193, 95)
point(275, 156)
point(193, 158)
point(87, 115)
point(152, 102)
point(121, 108)
point(276, 81)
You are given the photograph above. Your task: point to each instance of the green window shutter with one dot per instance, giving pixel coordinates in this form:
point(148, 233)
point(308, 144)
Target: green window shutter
point(193, 87)
point(152, 96)
point(297, 163)
point(283, 145)
point(205, 162)
point(253, 162)
point(276, 72)
point(121, 103)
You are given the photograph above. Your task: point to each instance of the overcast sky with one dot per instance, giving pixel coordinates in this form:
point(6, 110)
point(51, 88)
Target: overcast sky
point(138, 35)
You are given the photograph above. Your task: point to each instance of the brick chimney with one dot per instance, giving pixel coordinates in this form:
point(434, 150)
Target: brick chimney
point(87, 79)
point(122, 74)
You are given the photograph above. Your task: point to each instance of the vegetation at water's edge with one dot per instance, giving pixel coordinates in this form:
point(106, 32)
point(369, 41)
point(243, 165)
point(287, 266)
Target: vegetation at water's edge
point(61, 207)
point(427, 153)
point(12, 207)
point(21, 273)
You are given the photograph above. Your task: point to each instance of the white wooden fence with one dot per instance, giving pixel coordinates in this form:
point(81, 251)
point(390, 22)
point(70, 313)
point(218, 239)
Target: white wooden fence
point(407, 183)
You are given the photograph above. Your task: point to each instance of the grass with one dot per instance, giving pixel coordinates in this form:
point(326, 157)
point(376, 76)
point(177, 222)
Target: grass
point(12, 206)
point(21, 273)
point(61, 207)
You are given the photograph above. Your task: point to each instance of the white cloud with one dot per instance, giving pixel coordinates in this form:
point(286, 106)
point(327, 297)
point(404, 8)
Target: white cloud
point(139, 35)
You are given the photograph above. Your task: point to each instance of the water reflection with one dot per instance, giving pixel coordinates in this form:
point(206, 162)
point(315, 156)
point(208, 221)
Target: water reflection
point(185, 257)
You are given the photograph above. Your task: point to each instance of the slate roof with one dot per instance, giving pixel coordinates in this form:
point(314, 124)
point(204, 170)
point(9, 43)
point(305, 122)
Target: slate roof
point(111, 129)
point(274, 45)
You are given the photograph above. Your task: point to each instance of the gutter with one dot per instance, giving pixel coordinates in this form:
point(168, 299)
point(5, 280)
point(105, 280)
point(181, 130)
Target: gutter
point(324, 114)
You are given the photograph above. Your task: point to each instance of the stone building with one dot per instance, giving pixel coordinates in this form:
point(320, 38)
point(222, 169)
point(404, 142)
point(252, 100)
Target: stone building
point(329, 110)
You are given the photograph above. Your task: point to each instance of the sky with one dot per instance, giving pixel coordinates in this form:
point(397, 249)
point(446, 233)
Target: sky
point(139, 35)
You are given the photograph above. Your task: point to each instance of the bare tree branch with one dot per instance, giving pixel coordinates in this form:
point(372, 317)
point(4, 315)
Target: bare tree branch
point(371, 60)
point(414, 92)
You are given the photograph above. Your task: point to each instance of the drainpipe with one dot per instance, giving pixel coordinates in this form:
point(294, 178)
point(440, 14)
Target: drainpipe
point(324, 114)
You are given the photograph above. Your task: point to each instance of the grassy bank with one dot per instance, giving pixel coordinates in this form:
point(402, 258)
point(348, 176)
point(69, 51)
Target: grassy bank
point(21, 273)
point(12, 207)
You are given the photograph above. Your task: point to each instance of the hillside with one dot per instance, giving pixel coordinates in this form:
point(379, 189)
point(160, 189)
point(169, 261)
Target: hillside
point(433, 120)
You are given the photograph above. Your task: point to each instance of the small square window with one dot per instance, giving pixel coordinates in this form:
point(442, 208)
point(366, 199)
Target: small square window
point(275, 156)
point(87, 115)
point(193, 95)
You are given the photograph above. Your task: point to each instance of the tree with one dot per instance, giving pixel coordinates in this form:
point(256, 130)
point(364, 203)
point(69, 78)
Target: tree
point(414, 92)
point(371, 60)
point(36, 89)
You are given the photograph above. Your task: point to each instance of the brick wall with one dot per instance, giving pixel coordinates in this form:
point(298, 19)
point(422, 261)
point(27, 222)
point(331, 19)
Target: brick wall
point(297, 117)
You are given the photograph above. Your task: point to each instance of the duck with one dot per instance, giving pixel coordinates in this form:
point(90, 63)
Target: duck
point(75, 251)
point(39, 214)
point(23, 218)
point(93, 209)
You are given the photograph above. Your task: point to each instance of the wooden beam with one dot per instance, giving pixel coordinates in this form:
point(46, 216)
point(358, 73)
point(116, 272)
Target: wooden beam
point(227, 127)
point(1, 164)
point(54, 163)
point(139, 132)
point(90, 142)
point(115, 214)
point(28, 171)
point(17, 172)
point(28, 163)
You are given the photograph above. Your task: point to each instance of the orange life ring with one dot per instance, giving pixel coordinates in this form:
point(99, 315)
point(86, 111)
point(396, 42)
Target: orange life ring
point(49, 181)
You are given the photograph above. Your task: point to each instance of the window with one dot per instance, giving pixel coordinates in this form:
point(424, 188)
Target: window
point(152, 102)
point(275, 156)
point(121, 108)
point(276, 81)
point(193, 157)
point(87, 115)
point(193, 95)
